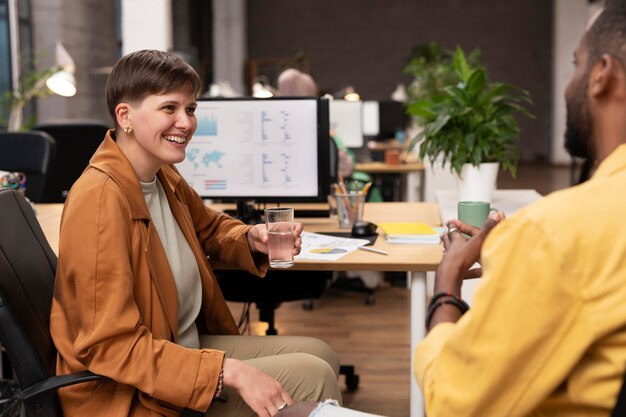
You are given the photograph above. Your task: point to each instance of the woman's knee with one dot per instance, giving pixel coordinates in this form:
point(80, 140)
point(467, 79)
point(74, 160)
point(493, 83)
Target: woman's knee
point(320, 349)
point(314, 375)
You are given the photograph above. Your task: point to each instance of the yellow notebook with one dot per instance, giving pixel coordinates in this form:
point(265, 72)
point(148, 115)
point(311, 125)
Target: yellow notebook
point(412, 228)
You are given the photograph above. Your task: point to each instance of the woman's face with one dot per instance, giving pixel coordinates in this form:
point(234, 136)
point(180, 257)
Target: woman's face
point(162, 127)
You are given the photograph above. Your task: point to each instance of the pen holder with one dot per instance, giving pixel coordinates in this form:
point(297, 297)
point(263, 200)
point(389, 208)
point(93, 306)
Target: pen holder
point(349, 208)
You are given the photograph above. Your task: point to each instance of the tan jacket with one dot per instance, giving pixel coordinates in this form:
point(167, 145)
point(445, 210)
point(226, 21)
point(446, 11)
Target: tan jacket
point(115, 308)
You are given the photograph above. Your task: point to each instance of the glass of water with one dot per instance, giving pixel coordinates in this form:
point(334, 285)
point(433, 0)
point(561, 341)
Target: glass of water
point(280, 226)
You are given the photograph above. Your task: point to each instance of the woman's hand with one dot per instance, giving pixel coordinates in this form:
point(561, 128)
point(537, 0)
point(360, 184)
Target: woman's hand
point(257, 238)
point(263, 394)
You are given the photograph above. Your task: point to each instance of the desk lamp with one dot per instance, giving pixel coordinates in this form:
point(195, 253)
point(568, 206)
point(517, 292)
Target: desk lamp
point(348, 94)
point(261, 88)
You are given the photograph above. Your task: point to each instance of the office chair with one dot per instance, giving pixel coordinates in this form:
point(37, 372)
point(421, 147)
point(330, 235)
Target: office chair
point(272, 290)
point(27, 272)
point(76, 141)
point(31, 153)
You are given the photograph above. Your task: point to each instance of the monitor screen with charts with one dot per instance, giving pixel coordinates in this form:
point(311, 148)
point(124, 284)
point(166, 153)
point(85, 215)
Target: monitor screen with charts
point(266, 150)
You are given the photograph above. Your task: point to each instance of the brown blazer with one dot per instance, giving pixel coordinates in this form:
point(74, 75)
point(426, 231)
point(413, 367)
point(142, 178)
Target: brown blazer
point(115, 307)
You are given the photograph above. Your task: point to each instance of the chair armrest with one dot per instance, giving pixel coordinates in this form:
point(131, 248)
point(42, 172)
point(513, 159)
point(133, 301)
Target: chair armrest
point(188, 412)
point(51, 385)
point(56, 382)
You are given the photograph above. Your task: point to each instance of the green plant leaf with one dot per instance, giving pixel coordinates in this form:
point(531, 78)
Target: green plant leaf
point(476, 82)
point(461, 66)
point(422, 109)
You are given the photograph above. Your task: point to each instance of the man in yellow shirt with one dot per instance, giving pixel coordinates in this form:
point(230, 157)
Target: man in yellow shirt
point(547, 333)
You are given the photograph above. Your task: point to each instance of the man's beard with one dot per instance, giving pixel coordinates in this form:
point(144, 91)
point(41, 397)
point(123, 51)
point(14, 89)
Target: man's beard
point(579, 125)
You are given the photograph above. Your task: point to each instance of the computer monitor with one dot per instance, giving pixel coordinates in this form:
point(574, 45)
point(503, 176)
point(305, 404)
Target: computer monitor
point(266, 150)
point(392, 118)
point(346, 120)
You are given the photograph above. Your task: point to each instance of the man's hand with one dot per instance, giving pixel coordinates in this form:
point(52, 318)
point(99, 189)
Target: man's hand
point(257, 238)
point(469, 248)
point(263, 394)
point(460, 254)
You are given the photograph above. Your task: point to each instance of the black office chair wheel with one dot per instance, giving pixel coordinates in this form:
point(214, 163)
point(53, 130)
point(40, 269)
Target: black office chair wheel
point(352, 382)
point(308, 305)
point(352, 379)
point(370, 300)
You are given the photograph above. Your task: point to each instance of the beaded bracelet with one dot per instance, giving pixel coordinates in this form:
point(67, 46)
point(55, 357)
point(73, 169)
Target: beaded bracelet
point(220, 395)
point(452, 300)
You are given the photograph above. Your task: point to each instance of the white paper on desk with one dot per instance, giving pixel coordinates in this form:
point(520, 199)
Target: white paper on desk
point(319, 247)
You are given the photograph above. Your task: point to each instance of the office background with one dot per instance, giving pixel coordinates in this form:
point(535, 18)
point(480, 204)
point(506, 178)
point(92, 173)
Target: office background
point(364, 43)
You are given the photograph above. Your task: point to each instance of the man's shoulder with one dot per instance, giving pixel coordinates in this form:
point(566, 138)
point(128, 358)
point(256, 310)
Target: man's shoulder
point(577, 214)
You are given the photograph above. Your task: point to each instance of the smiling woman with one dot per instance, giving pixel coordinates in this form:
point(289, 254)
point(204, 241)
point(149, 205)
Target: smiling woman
point(135, 298)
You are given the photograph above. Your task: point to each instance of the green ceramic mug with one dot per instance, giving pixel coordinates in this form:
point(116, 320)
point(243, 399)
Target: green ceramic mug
point(474, 213)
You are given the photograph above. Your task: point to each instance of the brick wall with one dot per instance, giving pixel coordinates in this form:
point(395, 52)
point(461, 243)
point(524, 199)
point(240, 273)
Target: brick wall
point(366, 43)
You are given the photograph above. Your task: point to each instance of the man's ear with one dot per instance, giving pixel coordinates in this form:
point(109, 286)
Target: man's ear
point(602, 75)
point(122, 114)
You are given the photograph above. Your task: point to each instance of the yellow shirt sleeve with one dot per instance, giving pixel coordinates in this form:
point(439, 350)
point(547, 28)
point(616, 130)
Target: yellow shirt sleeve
point(520, 339)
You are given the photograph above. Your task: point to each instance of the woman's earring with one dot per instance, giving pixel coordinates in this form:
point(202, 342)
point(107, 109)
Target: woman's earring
point(128, 129)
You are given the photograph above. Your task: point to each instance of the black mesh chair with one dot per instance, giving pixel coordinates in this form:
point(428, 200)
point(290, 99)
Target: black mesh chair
point(272, 290)
point(76, 142)
point(31, 153)
point(27, 272)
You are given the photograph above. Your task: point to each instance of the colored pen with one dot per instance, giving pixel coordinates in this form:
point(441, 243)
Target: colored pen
point(365, 248)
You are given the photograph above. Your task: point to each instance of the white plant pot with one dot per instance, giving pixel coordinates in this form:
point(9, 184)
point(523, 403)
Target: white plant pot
point(478, 183)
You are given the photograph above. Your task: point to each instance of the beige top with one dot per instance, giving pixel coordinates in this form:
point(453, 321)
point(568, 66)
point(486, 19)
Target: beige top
point(181, 260)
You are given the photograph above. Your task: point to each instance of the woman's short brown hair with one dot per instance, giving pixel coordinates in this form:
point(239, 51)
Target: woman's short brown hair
point(147, 72)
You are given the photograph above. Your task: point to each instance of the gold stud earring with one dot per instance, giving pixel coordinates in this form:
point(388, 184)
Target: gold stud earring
point(128, 129)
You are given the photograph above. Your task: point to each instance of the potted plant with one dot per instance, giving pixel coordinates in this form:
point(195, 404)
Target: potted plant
point(469, 122)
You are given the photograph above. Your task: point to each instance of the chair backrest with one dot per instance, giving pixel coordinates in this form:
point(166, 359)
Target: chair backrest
point(31, 153)
point(27, 272)
point(76, 140)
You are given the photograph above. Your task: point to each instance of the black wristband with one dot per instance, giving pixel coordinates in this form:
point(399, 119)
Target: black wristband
point(461, 305)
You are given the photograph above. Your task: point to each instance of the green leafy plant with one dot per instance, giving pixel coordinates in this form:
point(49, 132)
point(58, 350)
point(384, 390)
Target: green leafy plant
point(31, 85)
point(469, 119)
point(430, 66)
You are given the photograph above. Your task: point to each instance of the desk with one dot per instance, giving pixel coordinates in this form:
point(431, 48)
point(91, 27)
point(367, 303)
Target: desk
point(411, 176)
point(414, 259)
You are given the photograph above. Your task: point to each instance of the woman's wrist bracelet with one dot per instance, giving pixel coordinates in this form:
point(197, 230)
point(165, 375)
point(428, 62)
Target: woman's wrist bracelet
point(220, 395)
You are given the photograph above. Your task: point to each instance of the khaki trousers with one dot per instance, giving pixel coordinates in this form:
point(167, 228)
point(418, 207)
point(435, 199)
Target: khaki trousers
point(306, 367)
